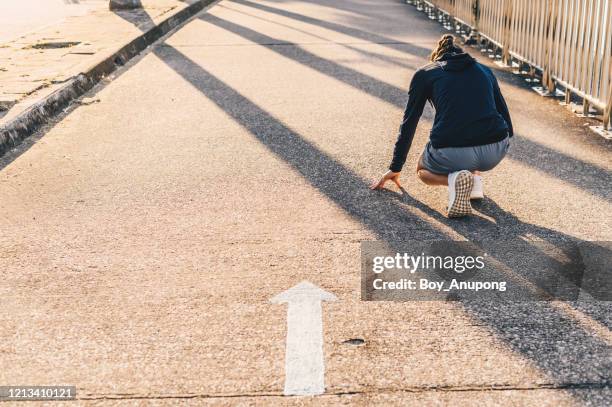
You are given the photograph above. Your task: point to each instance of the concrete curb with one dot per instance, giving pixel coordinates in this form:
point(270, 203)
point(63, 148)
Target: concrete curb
point(27, 122)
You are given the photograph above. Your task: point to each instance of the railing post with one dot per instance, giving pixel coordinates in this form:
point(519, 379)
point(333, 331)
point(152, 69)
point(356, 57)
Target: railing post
point(476, 15)
point(507, 31)
point(607, 114)
point(568, 97)
point(474, 37)
point(551, 24)
point(433, 12)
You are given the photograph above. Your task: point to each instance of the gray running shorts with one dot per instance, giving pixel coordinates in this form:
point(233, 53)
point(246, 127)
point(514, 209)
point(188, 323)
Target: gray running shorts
point(450, 159)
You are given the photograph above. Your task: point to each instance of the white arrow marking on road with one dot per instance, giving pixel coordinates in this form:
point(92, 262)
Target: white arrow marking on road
point(304, 365)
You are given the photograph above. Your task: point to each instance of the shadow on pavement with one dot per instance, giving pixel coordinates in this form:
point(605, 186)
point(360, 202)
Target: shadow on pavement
point(581, 174)
point(397, 45)
point(370, 54)
point(401, 46)
point(573, 358)
point(585, 176)
point(370, 85)
point(391, 221)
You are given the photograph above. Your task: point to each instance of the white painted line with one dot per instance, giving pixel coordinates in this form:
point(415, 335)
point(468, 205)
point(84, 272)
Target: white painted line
point(304, 364)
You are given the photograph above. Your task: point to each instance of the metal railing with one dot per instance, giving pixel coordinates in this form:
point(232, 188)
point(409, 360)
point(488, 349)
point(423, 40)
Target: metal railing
point(569, 42)
point(465, 12)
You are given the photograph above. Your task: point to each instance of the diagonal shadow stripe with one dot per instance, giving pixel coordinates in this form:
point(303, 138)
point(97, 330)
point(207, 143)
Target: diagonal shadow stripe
point(588, 177)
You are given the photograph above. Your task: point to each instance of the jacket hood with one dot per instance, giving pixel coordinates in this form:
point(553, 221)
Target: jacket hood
point(456, 61)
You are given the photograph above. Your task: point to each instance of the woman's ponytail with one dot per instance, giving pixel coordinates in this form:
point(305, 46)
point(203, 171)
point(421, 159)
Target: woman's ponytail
point(445, 45)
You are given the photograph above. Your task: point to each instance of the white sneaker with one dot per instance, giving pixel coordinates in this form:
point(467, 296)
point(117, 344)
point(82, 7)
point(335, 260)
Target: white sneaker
point(459, 188)
point(477, 188)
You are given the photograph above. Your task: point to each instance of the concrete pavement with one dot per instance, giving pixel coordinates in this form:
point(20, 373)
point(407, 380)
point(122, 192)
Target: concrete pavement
point(20, 17)
point(43, 44)
point(143, 235)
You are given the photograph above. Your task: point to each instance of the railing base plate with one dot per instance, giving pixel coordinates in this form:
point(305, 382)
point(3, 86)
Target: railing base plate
point(607, 134)
point(546, 93)
point(501, 64)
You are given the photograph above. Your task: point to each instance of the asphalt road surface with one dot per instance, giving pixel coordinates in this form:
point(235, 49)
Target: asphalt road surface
point(144, 234)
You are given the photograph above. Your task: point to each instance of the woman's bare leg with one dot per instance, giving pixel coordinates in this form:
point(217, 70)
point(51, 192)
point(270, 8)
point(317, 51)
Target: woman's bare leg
point(429, 177)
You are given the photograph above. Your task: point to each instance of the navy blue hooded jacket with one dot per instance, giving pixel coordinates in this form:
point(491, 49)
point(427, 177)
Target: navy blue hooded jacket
point(470, 109)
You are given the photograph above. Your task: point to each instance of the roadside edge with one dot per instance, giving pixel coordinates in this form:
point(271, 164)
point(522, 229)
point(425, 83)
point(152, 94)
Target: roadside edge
point(40, 112)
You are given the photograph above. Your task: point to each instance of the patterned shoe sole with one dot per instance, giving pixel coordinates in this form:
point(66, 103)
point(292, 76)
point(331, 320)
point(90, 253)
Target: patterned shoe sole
point(463, 187)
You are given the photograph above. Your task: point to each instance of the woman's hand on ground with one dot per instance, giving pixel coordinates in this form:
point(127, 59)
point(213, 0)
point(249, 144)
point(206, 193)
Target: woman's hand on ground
point(387, 176)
